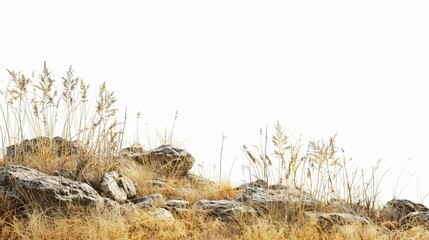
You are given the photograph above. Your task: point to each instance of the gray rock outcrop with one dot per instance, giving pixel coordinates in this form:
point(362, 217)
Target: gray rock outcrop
point(34, 186)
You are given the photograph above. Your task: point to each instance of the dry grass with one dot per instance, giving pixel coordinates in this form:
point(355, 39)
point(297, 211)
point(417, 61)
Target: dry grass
point(34, 108)
point(140, 225)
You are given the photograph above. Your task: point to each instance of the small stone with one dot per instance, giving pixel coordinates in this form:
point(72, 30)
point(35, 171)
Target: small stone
point(117, 188)
point(150, 200)
point(157, 182)
point(162, 214)
point(177, 204)
point(145, 202)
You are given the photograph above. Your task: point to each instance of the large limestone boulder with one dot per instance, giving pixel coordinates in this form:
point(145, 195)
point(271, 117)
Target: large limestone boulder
point(226, 210)
point(165, 160)
point(29, 185)
point(116, 187)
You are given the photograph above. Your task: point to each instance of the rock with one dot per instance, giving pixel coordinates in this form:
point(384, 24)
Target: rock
point(415, 219)
point(180, 207)
point(118, 188)
point(328, 220)
point(340, 206)
point(145, 202)
point(283, 201)
point(30, 185)
point(55, 147)
point(157, 182)
point(177, 204)
point(132, 152)
point(258, 183)
point(200, 181)
point(226, 210)
point(404, 212)
point(68, 148)
point(150, 200)
point(396, 209)
point(161, 213)
point(278, 187)
point(171, 160)
point(165, 160)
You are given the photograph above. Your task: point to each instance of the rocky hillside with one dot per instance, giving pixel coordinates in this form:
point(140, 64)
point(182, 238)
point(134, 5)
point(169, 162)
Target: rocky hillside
point(52, 189)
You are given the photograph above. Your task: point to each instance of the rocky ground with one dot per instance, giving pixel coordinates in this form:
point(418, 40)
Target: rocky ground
point(169, 193)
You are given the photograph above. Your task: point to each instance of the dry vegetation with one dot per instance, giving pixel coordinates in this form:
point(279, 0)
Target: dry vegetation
point(33, 108)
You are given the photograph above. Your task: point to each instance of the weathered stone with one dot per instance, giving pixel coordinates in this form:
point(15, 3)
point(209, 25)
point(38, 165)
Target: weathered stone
point(67, 148)
point(177, 204)
point(226, 210)
point(157, 182)
point(29, 184)
point(150, 200)
point(282, 200)
point(328, 220)
point(415, 219)
point(55, 147)
point(340, 206)
point(132, 152)
point(165, 160)
point(145, 202)
point(171, 160)
point(119, 188)
point(161, 213)
point(258, 183)
point(278, 187)
point(396, 209)
point(200, 181)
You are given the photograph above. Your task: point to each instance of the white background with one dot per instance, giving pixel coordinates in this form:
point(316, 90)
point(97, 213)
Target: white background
point(356, 70)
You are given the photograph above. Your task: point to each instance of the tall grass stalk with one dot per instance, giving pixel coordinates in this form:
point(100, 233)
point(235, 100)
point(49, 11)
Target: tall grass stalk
point(35, 107)
point(319, 170)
